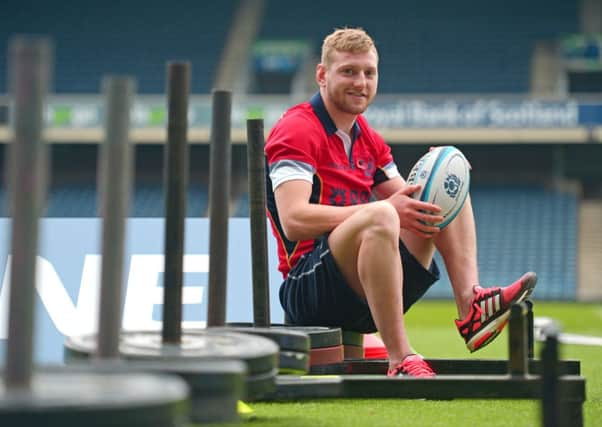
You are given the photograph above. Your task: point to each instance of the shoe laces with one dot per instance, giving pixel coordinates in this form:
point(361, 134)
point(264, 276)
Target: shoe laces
point(415, 366)
point(482, 293)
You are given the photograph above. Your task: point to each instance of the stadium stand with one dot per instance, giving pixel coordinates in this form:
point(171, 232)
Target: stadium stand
point(242, 205)
point(477, 46)
point(73, 200)
point(524, 229)
point(148, 202)
point(134, 37)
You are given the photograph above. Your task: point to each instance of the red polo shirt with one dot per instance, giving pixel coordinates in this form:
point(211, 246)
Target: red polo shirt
point(304, 144)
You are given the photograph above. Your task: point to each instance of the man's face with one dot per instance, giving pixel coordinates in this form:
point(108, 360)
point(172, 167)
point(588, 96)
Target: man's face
point(350, 82)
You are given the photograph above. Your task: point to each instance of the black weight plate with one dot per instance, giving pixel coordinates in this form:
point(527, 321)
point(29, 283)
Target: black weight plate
point(319, 336)
point(261, 385)
point(293, 363)
point(88, 399)
point(286, 339)
point(260, 354)
point(212, 383)
point(353, 338)
point(203, 377)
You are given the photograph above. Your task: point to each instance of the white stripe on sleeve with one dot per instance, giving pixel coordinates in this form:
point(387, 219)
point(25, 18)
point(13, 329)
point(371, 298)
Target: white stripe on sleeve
point(288, 170)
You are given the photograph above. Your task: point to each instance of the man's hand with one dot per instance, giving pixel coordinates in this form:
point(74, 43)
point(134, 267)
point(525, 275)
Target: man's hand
point(415, 215)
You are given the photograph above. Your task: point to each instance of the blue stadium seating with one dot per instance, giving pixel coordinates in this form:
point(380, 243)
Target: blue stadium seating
point(464, 46)
point(242, 205)
point(133, 37)
point(148, 201)
point(72, 201)
point(524, 229)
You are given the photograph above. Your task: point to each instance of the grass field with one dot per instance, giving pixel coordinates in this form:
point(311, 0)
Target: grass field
point(433, 334)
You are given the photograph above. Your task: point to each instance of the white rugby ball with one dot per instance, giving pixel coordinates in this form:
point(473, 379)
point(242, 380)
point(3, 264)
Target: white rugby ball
point(444, 176)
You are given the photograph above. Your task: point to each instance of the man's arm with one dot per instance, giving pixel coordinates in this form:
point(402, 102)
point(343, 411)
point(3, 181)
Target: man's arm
point(413, 214)
point(302, 220)
point(389, 187)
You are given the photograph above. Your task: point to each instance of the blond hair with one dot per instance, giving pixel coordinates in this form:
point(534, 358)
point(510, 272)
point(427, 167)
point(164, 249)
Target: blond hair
point(354, 40)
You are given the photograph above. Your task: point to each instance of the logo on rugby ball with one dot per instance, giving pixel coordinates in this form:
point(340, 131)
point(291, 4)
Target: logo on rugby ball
point(452, 185)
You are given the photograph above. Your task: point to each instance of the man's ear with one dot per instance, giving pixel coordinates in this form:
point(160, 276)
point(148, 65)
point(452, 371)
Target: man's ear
point(321, 75)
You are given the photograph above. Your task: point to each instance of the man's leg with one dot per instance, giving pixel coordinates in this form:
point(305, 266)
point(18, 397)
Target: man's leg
point(366, 249)
point(457, 244)
point(482, 312)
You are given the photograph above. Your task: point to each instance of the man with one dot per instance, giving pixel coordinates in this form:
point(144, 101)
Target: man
point(352, 262)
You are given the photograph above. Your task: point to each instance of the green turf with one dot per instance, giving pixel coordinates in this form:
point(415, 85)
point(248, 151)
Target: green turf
point(433, 334)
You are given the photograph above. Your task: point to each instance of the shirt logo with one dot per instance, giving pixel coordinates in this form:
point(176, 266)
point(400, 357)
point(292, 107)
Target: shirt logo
point(367, 166)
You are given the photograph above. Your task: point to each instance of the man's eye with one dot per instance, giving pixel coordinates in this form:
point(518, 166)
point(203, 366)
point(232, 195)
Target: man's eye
point(348, 71)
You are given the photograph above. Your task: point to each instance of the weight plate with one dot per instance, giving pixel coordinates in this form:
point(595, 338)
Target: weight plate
point(353, 338)
point(326, 355)
point(353, 351)
point(319, 336)
point(211, 382)
point(293, 363)
point(260, 354)
point(261, 385)
point(77, 399)
point(287, 339)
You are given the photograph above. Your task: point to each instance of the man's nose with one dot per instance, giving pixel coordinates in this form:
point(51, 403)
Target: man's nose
point(360, 80)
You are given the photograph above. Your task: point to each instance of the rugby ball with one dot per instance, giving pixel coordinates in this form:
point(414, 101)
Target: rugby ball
point(444, 176)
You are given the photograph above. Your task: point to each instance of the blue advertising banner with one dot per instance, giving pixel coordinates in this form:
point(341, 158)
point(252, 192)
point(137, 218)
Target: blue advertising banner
point(386, 112)
point(68, 277)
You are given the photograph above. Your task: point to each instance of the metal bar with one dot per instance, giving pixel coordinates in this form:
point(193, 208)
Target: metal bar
point(257, 208)
point(219, 198)
point(176, 181)
point(115, 180)
point(290, 387)
point(30, 64)
point(443, 367)
point(517, 340)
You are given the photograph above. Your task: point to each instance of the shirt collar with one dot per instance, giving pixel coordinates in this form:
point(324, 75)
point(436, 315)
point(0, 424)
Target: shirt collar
point(317, 104)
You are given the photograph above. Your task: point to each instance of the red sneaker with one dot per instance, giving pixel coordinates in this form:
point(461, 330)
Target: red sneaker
point(490, 310)
point(413, 366)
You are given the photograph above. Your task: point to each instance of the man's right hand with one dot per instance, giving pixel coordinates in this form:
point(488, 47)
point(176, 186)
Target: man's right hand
point(415, 215)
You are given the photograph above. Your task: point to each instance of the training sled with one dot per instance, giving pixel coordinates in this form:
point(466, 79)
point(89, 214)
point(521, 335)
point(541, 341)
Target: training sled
point(520, 360)
point(557, 383)
point(562, 395)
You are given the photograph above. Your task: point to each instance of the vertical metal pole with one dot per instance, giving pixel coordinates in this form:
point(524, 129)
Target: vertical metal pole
point(219, 198)
point(550, 402)
point(176, 182)
point(30, 66)
point(530, 332)
point(518, 364)
point(259, 243)
point(115, 174)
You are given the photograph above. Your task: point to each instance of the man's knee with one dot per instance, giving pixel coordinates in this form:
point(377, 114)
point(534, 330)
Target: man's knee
point(382, 220)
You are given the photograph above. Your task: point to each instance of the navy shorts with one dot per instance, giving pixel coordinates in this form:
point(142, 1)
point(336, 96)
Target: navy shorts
point(315, 292)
